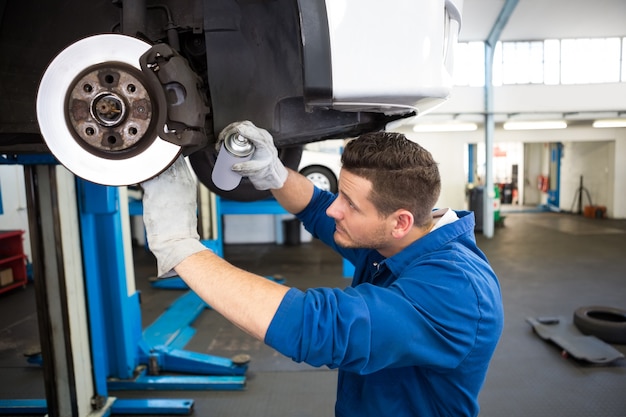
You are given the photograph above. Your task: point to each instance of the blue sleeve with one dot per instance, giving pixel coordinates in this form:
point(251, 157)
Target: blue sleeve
point(367, 328)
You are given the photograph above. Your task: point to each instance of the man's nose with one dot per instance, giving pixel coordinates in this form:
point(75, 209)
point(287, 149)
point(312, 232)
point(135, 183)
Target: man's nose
point(333, 211)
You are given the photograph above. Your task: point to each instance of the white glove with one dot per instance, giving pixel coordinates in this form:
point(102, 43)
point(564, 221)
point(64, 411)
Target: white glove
point(170, 217)
point(264, 169)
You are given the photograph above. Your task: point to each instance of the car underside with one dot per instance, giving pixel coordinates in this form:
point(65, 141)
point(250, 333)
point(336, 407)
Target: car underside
point(116, 90)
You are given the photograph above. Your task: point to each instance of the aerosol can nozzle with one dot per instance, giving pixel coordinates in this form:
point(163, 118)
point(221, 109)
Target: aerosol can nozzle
point(235, 149)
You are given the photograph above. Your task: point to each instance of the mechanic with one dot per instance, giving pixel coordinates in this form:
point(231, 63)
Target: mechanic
point(414, 333)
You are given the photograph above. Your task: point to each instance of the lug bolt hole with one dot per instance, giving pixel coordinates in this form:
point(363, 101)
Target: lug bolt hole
point(90, 131)
point(131, 88)
point(87, 88)
point(132, 131)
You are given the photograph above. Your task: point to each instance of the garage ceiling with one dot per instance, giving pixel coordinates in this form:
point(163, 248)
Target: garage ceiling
point(545, 19)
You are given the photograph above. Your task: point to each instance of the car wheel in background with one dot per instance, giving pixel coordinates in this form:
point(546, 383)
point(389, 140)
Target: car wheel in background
point(322, 177)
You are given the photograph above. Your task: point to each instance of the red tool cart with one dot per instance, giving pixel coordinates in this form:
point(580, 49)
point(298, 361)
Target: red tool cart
point(12, 260)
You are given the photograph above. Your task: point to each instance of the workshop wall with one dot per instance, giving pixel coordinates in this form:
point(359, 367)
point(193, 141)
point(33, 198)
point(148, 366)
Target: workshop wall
point(536, 101)
point(594, 163)
point(535, 164)
point(526, 99)
point(449, 150)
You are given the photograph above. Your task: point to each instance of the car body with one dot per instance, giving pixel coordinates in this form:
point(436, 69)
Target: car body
point(304, 70)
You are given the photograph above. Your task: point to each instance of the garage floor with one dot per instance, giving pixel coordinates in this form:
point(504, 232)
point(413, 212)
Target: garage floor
point(549, 264)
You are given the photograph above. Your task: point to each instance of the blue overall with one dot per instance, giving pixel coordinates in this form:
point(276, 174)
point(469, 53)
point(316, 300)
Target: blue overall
point(414, 333)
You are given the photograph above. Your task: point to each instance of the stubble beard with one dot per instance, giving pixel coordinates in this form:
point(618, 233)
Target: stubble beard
point(346, 241)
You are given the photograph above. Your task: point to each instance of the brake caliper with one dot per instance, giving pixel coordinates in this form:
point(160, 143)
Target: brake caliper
point(186, 103)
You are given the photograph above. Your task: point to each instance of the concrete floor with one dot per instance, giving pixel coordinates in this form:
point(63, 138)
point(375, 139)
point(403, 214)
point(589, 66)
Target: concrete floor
point(549, 264)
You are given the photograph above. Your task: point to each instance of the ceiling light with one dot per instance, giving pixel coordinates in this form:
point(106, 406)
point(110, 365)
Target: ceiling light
point(445, 127)
point(609, 123)
point(539, 124)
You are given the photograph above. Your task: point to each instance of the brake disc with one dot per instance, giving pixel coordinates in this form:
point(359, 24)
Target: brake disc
point(99, 117)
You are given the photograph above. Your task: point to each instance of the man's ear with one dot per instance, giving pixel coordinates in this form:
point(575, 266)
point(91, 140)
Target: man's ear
point(403, 223)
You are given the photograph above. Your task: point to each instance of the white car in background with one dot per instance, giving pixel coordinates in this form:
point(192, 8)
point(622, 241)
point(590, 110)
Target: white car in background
point(321, 168)
point(321, 163)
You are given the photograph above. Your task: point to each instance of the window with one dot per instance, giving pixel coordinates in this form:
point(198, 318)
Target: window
point(623, 60)
point(551, 62)
point(469, 64)
point(522, 62)
point(588, 61)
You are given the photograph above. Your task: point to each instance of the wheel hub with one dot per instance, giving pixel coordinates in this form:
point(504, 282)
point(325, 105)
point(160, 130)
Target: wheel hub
point(110, 109)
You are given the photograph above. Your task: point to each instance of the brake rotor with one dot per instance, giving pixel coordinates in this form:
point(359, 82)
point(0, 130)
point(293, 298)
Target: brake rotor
point(97, 115)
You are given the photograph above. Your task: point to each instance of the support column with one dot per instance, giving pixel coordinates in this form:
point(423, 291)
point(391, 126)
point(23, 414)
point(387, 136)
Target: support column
point(60, 293)
point(490, 44)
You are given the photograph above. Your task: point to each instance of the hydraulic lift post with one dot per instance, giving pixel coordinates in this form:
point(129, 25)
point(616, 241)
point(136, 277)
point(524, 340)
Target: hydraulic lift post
point(71, 385)
point(89, 313)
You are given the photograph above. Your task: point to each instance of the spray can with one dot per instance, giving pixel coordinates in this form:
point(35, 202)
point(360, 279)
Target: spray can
point(235, 149)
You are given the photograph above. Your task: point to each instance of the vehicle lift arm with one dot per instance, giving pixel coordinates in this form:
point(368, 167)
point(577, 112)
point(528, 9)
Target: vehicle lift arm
point(89, 311)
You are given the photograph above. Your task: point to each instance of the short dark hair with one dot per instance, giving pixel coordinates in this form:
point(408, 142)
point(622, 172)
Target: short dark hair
point(403, 174)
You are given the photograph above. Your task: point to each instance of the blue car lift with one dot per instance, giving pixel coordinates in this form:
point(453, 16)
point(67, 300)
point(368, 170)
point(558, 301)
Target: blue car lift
point(159, 348)
point(122, 355)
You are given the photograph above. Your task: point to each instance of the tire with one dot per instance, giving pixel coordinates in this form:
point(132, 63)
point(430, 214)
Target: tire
point(606, 323)
point(203, 162)
point(322, 177)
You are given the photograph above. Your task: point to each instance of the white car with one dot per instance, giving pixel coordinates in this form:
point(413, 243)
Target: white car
point(322, 168)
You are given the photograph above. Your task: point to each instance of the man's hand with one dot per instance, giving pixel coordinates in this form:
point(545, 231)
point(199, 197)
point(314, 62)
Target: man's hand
point(265, 170)
point(170, 216)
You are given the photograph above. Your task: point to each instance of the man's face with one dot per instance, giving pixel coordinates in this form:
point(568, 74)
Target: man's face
point(357, 222)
